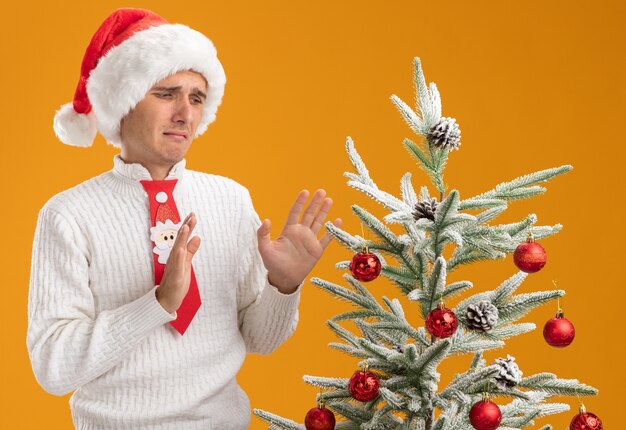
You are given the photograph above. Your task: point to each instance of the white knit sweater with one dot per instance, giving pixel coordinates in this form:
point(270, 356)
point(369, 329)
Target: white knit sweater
point(96, 327)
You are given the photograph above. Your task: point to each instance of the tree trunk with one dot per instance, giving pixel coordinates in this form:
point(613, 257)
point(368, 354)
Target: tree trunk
point(430, 419)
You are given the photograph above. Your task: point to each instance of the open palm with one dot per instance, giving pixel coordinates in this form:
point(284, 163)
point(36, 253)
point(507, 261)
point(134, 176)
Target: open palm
point(292, 256)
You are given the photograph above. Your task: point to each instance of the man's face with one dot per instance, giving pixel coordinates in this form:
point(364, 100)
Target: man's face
point(159, 130)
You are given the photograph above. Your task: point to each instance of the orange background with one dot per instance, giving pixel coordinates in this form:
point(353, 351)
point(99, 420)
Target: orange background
point(533, 85)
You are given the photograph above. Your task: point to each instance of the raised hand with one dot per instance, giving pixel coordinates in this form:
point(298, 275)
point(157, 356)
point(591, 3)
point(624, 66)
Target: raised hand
point(292, 256)
point(177, 275)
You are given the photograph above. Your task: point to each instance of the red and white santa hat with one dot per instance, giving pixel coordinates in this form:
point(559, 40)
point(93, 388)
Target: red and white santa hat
point(164, 212)
point(131, 51)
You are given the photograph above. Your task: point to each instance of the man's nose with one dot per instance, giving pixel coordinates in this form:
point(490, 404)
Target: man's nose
point(182, 112)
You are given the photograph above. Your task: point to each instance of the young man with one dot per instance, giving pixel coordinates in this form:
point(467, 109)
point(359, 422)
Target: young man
point(126, 307)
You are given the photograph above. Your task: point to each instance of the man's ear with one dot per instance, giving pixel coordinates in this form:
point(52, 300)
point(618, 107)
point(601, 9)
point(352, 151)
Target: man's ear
point(122, 129)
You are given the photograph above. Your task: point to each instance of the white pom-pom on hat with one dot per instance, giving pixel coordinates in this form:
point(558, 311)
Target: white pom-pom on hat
point(74, 128)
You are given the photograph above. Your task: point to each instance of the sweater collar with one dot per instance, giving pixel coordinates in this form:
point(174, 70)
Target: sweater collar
point(136, 172)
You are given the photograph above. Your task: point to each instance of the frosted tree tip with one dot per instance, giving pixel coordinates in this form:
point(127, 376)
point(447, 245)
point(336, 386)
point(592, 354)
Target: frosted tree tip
point(316, 281)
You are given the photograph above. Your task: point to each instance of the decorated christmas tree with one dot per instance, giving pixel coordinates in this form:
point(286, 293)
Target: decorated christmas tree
point(398, 384)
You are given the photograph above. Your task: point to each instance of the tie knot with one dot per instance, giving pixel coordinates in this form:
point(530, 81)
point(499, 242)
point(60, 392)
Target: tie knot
point(155, 187)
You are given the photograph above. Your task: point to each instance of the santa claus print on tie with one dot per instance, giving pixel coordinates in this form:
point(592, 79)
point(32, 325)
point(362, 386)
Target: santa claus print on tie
point(165, 230)
point(163, 235)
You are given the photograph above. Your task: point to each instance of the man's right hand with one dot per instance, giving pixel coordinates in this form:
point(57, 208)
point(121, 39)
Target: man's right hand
point(177, 275)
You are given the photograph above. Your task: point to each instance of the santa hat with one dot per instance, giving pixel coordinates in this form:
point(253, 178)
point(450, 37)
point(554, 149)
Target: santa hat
point(164, 212)
point(131, 51)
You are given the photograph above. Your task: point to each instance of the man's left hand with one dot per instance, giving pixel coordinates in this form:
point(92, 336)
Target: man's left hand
point(292, 256)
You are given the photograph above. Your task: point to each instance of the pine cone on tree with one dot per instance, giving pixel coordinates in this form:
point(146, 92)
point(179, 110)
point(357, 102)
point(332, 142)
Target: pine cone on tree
point(425, 209)
point(482, 316)
point(398, 348)
point(510, 374)
point(445, 134)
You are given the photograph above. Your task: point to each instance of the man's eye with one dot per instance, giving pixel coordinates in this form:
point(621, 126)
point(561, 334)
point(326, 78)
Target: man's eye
point(164, 95)
point(196, 100)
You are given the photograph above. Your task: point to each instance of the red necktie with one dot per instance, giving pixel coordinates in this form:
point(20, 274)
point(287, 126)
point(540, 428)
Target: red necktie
point(165, 226)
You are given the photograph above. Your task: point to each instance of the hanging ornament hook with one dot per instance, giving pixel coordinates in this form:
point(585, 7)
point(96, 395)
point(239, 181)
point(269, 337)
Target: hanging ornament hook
point(559, 310)
point(441, 303)
point(486, 396)
point(582, 405)
point(363, 236)
point(320, 399)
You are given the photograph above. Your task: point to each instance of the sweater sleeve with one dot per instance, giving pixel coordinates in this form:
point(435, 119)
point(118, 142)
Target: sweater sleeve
point(267, 317)
point(68, 343)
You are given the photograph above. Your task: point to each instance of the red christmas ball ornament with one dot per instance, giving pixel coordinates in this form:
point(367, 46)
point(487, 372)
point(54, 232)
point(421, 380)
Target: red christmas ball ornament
point(319, 418)
point(441, 322)
point(485, 415)
point(365, 266)
point(529, 256)
point(559, 331)
point(364, 386)
point(585, 421)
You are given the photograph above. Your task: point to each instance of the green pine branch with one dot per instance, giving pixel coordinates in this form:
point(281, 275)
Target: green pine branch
point(550, 384)
point(278, 422)
point(521, 187)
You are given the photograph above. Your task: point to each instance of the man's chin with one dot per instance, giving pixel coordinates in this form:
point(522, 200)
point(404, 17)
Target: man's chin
point(171, 160)
point(174, 155)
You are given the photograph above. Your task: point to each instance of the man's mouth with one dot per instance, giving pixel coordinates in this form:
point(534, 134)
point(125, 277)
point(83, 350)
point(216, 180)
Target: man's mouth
point(177, 135)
